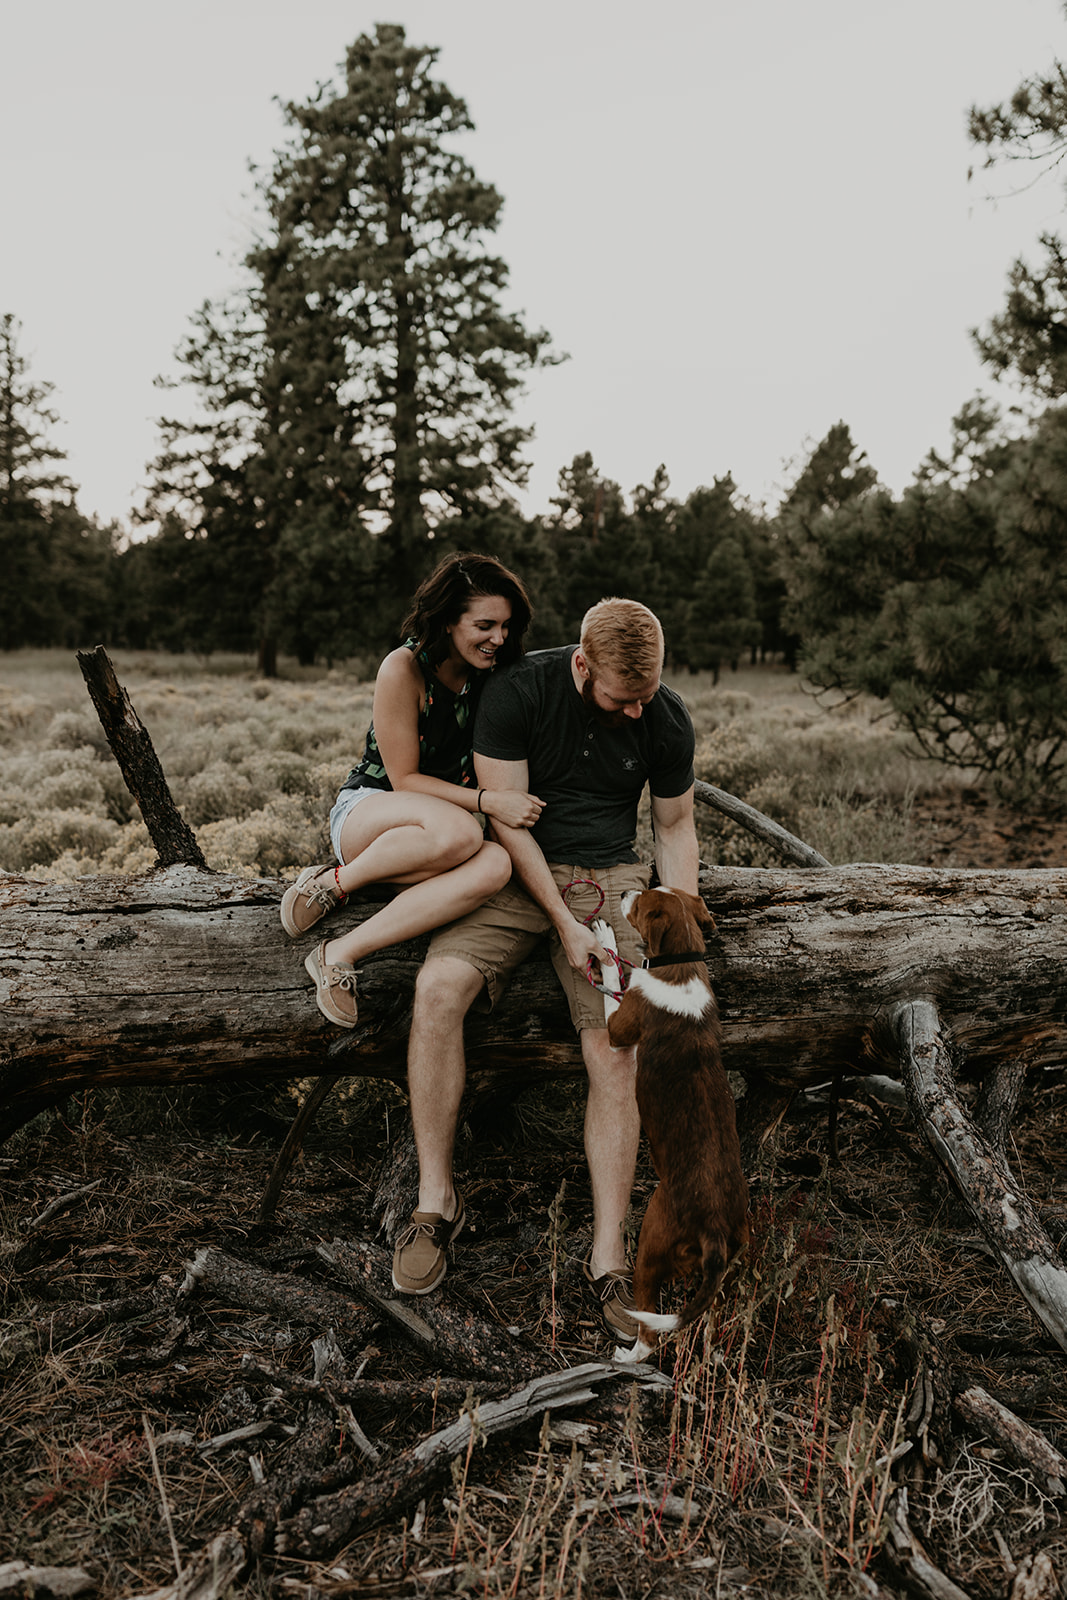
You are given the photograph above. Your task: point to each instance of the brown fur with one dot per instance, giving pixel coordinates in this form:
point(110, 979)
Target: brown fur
point(697, 1219)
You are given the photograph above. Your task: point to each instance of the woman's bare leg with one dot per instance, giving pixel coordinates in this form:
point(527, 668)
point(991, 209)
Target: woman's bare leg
point(426, 905)
point(403, 838)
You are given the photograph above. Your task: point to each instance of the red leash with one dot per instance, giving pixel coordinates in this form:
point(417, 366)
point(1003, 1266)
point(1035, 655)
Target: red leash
point(620, 961)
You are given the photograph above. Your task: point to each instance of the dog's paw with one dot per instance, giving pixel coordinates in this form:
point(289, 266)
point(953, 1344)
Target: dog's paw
point(640, 1352)
point(659, 1322)
point(610, 974)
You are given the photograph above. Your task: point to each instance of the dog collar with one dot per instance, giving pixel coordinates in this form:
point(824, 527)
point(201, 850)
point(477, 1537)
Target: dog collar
point(672, 961)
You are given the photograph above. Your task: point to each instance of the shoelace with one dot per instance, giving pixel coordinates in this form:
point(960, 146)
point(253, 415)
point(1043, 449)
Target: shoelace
point(413, 1229)
point(346, 980)
point(321, 895)
point(616, 1282)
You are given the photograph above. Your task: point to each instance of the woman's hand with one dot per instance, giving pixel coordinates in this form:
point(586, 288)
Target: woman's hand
point(512, 807)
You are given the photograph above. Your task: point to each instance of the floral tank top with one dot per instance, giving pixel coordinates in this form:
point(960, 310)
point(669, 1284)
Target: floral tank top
point(446, 733)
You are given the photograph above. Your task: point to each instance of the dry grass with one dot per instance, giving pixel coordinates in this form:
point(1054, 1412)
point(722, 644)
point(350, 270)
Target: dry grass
point(254, 766)
point(766, 1469)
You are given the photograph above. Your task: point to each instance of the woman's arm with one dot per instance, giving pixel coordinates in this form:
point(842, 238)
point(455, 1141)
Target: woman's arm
point(398, 693)
point(579, 942)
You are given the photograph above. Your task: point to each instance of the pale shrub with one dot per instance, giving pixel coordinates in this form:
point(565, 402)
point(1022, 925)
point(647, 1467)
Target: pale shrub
point(19, 713)
point(279, 772)
point(77, 730)
point(130, 852)
point(839, 781)
point(271, 842)
point(39, 839)
point(219, 791)
point(849, 829)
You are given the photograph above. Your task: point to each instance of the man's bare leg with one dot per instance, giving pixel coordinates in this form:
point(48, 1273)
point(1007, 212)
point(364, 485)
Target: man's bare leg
point(445, 990)
point(612, 1135)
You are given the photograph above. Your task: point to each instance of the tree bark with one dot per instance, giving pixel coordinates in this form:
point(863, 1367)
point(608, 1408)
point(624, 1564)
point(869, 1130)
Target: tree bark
point(185, 976)
point(132, 748)
point(999, 1206)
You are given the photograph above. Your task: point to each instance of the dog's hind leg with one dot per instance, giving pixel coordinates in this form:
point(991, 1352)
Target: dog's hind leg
point(653, 1267)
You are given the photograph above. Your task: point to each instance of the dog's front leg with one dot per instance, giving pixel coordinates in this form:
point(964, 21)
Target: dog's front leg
point(612, 973)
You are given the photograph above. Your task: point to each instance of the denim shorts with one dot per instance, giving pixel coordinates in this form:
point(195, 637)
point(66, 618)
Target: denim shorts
point(500, 934)
point(346, 801)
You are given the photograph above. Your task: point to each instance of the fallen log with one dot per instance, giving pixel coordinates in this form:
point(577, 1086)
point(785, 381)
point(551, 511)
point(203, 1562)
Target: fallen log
point(184, 976)
point(1000, 1207)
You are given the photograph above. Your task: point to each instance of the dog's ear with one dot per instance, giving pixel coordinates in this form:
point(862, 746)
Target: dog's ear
point(701, 915)
point(704, 917)
point(657, 919)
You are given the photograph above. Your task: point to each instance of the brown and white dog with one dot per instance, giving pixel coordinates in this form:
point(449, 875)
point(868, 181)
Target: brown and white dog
point(697, 1219)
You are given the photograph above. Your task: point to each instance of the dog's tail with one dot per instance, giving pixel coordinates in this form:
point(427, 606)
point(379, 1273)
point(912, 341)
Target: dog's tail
point(714, 1267)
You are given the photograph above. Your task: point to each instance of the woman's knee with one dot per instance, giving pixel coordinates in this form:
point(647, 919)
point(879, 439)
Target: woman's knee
point(495, 865)
point(457, 841)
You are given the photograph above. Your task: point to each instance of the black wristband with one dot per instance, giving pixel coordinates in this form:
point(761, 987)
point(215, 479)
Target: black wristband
point(480, 793)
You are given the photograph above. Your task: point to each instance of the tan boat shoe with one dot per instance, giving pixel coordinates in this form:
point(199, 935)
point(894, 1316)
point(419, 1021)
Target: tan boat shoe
point(419, 1261)
point(307, 901)
point(335, 987)
point(615, 1291)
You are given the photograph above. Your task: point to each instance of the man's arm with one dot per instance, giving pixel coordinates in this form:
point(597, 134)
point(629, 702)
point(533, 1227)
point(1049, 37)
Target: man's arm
point(677, 853)
point(531, 868)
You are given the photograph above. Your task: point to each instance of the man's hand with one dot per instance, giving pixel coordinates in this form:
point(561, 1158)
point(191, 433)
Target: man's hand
point(579, 943)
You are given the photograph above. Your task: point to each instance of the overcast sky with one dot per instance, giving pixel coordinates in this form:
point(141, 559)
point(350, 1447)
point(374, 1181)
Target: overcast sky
point(744, 220)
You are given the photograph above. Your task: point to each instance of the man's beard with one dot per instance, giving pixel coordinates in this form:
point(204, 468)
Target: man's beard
point(606, 719)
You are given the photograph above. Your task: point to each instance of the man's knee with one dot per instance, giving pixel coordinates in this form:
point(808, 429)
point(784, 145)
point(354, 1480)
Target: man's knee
point(604, 1064)
point(445, 987)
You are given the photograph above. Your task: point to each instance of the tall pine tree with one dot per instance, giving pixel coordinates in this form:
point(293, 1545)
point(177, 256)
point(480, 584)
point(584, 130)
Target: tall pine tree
point(56, 565)
point(363, 393)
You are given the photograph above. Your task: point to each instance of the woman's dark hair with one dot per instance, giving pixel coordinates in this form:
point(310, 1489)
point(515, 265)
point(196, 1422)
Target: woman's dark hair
point(443, 597)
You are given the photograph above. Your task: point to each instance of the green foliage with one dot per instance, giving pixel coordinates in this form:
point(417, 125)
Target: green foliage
point(1029, 337)
point(57, 564)
point(951, 603)
point(359, 391)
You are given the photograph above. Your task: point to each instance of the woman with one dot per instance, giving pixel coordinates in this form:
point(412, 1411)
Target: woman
point(410, 813)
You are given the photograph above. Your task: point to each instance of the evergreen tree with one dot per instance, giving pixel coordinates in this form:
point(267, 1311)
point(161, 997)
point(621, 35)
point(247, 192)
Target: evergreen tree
point(360, 391)
point(836, 474)
point(724, 623)
point(1029, 337)
point(40, 528)
point(583, 534)
point(706, 620)
point(387, 224)
point(951, 604)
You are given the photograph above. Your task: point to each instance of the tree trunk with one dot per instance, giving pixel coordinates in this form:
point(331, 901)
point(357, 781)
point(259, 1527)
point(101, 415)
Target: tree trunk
point(185, 976)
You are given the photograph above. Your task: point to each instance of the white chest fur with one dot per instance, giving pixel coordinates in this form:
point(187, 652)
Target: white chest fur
point(689, 999)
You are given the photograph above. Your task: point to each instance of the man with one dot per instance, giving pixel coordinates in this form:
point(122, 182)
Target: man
point(583, 729)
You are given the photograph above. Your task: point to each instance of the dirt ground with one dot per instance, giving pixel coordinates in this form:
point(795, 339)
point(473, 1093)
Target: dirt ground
point(801, 1440)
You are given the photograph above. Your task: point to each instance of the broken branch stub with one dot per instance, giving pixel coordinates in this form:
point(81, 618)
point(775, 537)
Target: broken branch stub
point(142, 773)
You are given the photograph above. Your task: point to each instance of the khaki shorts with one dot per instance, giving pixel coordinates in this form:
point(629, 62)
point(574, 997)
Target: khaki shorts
point(500, 934)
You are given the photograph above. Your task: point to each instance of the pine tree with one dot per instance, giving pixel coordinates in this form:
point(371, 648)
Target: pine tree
point(387, 223)
point(38, 519)
point(1028, 339)
point(951, 604)
point(360, 390)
